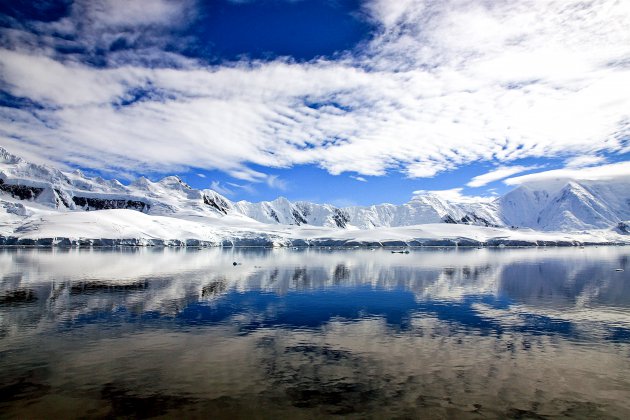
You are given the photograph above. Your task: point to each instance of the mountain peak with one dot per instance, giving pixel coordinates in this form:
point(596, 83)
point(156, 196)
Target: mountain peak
point(174, 181)
point(9, 158)
point(142, 182)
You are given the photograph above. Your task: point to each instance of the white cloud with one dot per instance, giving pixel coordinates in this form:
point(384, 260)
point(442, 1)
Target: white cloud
point(240, 172)
point(358, 178)
point(391, 14)
point(126, 13)
point(274, 181)
point(582, 161)
point(248, 188)
point(593, 173)
point(109, 33)
point(441, 85)
point(498, 174)
point(201, 175)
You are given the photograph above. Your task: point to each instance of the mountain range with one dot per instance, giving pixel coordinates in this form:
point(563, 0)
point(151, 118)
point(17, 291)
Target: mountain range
point(558, 205)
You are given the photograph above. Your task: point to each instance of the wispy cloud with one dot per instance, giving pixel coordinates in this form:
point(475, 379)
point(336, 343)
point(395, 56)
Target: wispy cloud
point(231, 188)
point(498, 174)
point(274, 181)
point(221, 189)
point(593, 173)
point(441, 85)
point(358, 178)
point(583, 161)
point(248, 188)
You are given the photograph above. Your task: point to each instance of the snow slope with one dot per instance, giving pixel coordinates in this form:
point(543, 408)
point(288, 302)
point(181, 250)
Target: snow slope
point(129, 227)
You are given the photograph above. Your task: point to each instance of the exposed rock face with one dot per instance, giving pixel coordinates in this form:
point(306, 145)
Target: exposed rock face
point(61, 198)
point(473, 219)
point(468, 219)
point(341, 218)
point(21, 192)
point(449, 219)
point(274, 215)
point(88, 203)
point(216, 202)
point(299, 219)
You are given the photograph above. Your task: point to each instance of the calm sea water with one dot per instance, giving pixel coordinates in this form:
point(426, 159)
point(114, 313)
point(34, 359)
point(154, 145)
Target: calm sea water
point(478, 333)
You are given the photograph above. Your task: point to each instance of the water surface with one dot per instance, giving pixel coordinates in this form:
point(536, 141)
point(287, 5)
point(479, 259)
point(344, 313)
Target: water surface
point(477, 333)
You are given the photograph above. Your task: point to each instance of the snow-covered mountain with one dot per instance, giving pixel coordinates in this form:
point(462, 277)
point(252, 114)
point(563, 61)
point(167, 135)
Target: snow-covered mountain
point(64, 191)
point(558, 205)
point(567, 205)
point(282, 211)
point(427, 208)
point(172, 197)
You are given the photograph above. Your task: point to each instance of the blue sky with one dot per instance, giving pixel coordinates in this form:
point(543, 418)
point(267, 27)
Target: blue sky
point(347, 102)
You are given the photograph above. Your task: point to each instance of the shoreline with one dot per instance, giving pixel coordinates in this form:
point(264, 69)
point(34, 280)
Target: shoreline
point(64, 242)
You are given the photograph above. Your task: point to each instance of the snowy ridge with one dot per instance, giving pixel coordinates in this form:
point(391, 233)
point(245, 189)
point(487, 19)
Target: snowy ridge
point(567, 205)
point(43, 205)
point(55, 189)
point(428, 208)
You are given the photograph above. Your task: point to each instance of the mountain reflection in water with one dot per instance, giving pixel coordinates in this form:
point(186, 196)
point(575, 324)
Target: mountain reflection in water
point(469, 333)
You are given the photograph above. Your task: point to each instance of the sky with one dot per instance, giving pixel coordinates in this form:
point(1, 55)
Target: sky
point(332, 101)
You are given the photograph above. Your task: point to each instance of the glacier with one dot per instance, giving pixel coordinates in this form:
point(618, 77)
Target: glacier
point(43, 206)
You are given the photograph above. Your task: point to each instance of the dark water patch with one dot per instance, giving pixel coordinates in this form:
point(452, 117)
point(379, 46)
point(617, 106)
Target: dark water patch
point(125, 402)
point(336, 398)
point(213, 289)
point(516, 413)
point(105, 287)
point(17, 297)
point(29, 387)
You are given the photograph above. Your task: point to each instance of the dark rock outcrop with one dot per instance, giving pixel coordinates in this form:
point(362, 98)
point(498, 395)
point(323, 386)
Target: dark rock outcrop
point(21, 192)
point(468, 219)
point(274, 215)
point(473, 219)
point(341, 218)
point(299, 219)
point(217, 203)
point(449, 219)
point(60, 198)
point(89, 203)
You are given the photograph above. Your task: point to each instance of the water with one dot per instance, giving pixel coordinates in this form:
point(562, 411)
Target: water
point(478, 333)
